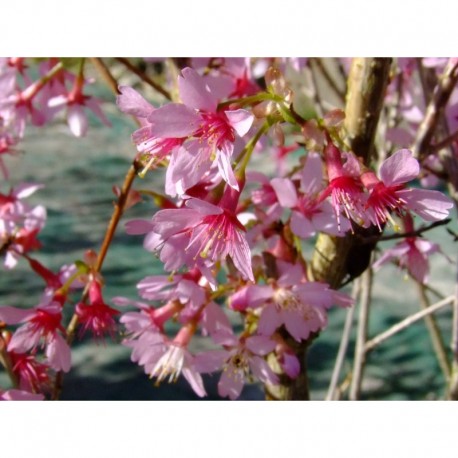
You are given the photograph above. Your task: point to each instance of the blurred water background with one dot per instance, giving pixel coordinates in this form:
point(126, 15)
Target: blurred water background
point(79, 175)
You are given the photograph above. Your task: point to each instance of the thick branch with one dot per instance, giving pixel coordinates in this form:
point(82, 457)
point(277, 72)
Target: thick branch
point(336, 257)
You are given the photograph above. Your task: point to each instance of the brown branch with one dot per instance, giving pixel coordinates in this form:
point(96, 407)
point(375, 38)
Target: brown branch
point(109, 234)
point(105, 74)
point(333, 391)
point(332, 84)
point(417, 232)
point(335, 256)
point(445, 142)
point(435, 109)
point(435, 334)
point(361, 337)
point(144, 77)
point(406, 322)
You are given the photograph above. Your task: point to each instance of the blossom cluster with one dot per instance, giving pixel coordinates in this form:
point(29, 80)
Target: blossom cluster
point(229, 230)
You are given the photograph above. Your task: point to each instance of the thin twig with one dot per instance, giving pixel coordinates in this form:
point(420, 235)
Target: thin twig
point(361, 337)
point(105, 74)
point(415, 233)
point(445, 142)
point(144, 77)
point(406, 322)
point(332, 84)
point(435, 109)
point(435, 334)
point(115, 217)
point(343, 344)
point(453, 387)
point(314, 89)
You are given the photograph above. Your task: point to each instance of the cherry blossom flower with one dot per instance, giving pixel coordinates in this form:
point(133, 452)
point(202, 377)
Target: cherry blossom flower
point(240, 358)
point(41, 323)
point(345, 187)
point(155, 148)
point(412, 254)
point(389, 193)
point(309, 214)
point(32, 374)
point(76, 102)
point(211, 133)
point(201, 231)
point(97, 317)
point(300, 306)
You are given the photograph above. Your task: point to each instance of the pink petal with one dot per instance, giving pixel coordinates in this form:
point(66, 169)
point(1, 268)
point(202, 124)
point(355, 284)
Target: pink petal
point(301, 226)
point(13, 315)
point(430, 205)
point(77, 120)
point(260, 345)
point(171, 221)
point(285, 192)
point(19, 395)
point(195, 380)
point(23, 340)
point(269, 320)
point(94, 105)
point(231, 383)
point(290, 274)
point(399, 168)
point(59, 354)
point(26, 189)
point(418, 266)
point(241, 120)
point(241, 256)
point(223, 159)
point(173, 120)
point(290, 364)
point(131, 102)
point(203, 207)
point(262, 371)
point(194, 92)
point(312, 174)
point(138, 226)
point(210, 361)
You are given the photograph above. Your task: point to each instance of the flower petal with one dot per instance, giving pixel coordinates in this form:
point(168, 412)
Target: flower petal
point(194, 92)
point(241, 120)
point(399, 168)
point(173, 120)
point(131, 102)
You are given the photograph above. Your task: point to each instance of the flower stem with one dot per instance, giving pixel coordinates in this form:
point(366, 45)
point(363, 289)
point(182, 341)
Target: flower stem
point(111, 228)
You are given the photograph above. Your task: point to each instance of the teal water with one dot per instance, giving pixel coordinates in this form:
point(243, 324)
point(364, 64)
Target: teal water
point(79, 175)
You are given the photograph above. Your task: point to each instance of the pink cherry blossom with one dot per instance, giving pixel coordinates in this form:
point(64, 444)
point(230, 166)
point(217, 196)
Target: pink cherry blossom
point(240, 358)
point(300, 306)
point(211, 133)
point(96, 316)
point(156, 148)
point(345, 187)
point(42, 323)
point(32, 374)
point(389, 193)
point(76, 102)
point(201, 231)
point(309, 214)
